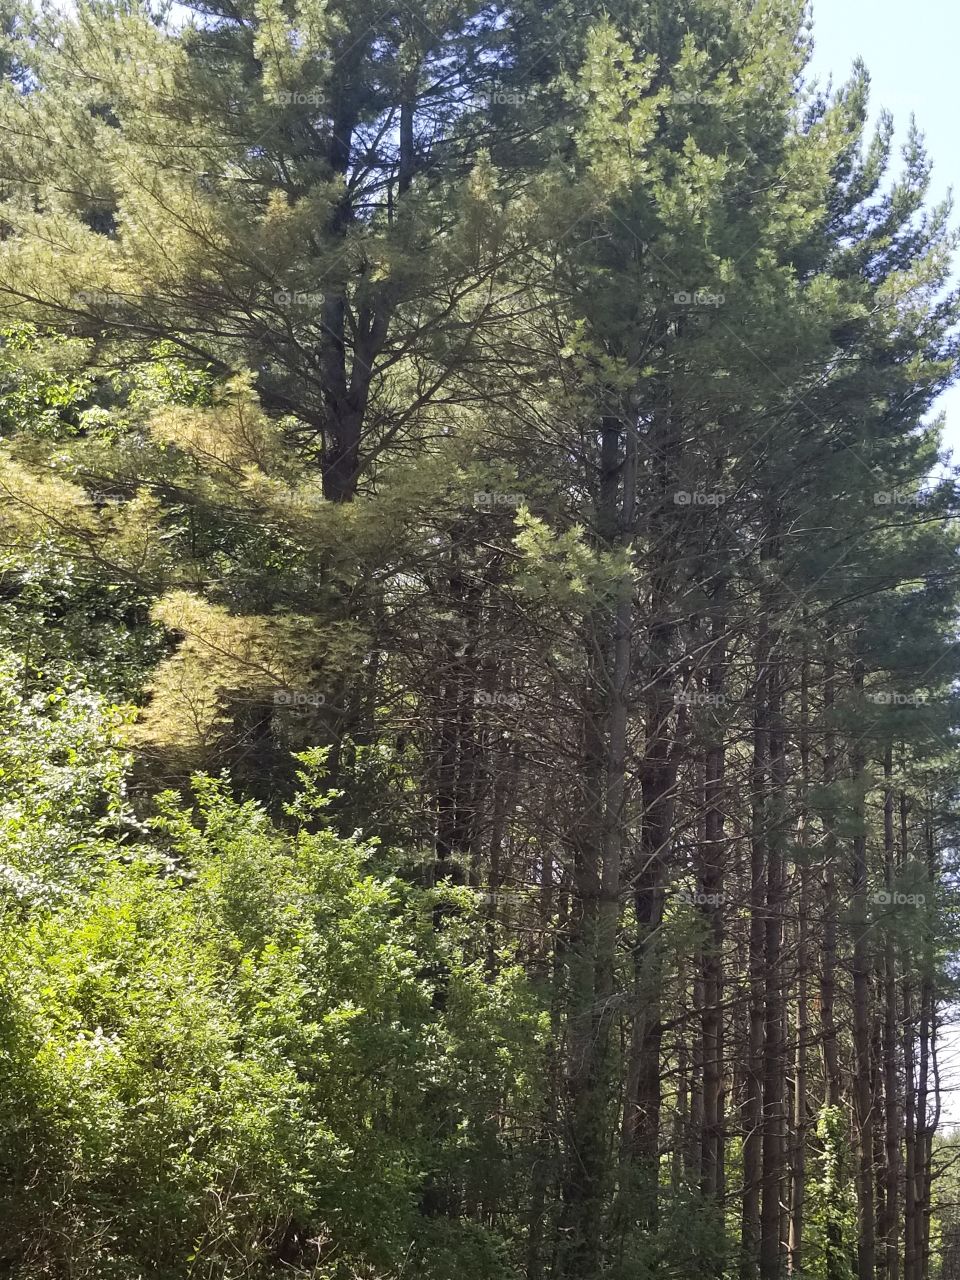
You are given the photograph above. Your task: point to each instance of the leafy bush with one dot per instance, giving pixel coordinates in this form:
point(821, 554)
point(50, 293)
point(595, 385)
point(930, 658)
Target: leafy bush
point(228, 1053)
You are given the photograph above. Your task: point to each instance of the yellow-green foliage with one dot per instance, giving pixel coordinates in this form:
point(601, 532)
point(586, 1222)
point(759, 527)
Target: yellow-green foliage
point(225, 658)
point(123, 540)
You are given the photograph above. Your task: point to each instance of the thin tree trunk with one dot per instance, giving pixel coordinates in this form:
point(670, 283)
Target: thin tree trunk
point(863, 1092)
point(798, 1170)
point(890, 1233)
point(753, 1078)
point(712, 888)
point(774, 1056)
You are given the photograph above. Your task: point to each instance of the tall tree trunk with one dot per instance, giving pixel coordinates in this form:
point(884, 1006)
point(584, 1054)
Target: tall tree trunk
point(586, 1179)
point(798, 1146)
point(890, 1230)
point(641, 1123)
point(753, 1079)
point(927, 1082)
point(911, 1230)
point(828, 955)
point(863, 1067)
point(712, 887)
point(774, 1057)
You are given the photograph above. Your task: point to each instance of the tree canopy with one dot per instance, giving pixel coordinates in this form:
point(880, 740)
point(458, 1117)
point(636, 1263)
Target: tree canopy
point(478, 648)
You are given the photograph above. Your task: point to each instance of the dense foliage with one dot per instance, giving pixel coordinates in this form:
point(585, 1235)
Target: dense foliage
point(478, 610)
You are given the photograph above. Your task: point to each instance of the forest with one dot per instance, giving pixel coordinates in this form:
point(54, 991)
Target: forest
point(479, 599)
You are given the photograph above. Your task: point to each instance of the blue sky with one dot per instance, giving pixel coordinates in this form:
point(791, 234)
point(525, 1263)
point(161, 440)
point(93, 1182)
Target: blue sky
point(910, 48)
